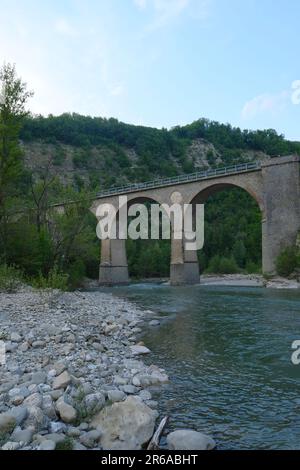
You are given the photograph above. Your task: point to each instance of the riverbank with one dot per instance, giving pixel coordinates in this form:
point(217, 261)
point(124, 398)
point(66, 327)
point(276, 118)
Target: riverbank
point(73, 375)
point(249, 280)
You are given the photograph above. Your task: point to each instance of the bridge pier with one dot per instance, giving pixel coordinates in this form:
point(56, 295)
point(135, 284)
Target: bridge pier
point(281, 201)
point(184, 268)
point(113, 267)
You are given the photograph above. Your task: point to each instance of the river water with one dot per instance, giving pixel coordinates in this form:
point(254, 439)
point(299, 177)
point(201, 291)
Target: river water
point(228, 353)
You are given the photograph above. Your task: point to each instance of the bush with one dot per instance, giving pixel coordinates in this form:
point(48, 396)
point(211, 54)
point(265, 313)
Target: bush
point(55, 280)
point(253, 268)
point(66, 444)
point(287, 261)
point(10, 278)
point(222, 265)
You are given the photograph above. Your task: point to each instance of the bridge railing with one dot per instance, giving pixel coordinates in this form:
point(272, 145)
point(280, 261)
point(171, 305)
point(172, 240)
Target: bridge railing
point(200, 175)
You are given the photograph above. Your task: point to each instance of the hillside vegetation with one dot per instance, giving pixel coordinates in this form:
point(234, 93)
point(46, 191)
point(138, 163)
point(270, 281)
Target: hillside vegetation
point(71, 157)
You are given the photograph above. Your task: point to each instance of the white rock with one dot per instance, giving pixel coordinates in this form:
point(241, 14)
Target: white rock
point(136, 349)
point(15, 337)
point(47, 445)
point(62, 381)
point(186, 439)
point(126, 425)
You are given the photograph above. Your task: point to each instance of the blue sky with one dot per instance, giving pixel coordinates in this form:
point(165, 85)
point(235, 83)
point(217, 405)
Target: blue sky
point(159, 62)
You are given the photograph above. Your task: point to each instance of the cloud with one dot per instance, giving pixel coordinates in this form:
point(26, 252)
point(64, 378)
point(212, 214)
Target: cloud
point(265, 103)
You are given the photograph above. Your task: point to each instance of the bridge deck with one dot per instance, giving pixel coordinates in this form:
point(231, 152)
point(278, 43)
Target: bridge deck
point(202, 175)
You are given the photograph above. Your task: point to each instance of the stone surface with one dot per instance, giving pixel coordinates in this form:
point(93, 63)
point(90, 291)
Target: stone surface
point(136, 350)
point(185, 439)
point(62, 381)
point(47, 445)
point(125, 425)
point(67, 413)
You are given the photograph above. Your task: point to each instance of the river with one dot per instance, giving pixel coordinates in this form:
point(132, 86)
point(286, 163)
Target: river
point(227, 351)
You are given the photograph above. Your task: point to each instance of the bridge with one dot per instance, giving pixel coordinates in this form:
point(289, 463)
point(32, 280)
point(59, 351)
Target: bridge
point(274, 184)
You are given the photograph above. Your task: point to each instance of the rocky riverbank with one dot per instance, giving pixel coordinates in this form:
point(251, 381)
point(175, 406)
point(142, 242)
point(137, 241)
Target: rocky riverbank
point(73, 375)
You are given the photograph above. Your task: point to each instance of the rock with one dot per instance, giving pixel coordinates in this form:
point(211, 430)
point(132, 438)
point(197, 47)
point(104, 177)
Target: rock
point(11, 446)
point(38, 378)
point(59, 367)
point(57, 427)
point(15, 338)
point(47, 445)
point(145, 395)
point(24, 346)
point(185, 439)
point(78, 446)
point(126, 425)
point(34, 400)
point(38, 344)
point(90, 438)
point(54, 437)
point(67, 413)
point(94, 402)
point(24, 436)
point(116, 395)
point(129, 389)
point(136, 350)
point(48, 407)
point(17, 400)
point(154, 323)
point(7, 423)
point(62, 381)
point(19, 413)
point(36, 418)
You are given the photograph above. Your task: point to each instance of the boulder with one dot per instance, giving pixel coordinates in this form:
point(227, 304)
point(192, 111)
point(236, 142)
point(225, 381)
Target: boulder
point(137, 349)
point(126, 425)
point(62, 381)
point(94, 402)
point(67, 413)
point(186, 439)
point(47, 445)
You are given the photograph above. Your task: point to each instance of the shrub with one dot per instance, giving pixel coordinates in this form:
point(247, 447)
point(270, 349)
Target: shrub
point(287, 261)
point(66, 444)
point(55, 280)
point(253, 268)
point(222, 265)
point(10, 278)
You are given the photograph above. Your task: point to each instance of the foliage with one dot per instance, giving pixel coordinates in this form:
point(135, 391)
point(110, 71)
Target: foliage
point(54, 280)
point(66, 444)
point(10, 278)
point(287, 261)
point(222, 265)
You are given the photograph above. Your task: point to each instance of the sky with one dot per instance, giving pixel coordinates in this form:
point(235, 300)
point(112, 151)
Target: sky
point(159, 63)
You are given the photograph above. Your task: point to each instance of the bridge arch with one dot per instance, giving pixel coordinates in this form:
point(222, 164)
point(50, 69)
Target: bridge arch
point(200, 195)
point(203, 194)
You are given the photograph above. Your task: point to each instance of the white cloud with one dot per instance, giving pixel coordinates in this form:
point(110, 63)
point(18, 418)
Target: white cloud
point(265, 103)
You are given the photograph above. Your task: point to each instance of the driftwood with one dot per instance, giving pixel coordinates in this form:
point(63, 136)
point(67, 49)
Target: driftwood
point(154, 443)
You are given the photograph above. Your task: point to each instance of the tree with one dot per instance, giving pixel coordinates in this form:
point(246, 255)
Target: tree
point(14, 96)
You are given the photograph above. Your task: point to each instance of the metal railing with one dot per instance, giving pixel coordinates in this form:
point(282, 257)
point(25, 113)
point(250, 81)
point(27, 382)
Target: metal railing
point(202, 175)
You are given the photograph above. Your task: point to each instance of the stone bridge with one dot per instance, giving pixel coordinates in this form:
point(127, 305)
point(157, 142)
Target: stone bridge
point(275, 185)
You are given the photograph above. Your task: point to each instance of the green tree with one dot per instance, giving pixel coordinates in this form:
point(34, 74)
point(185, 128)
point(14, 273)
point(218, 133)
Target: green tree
point(14, 96)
